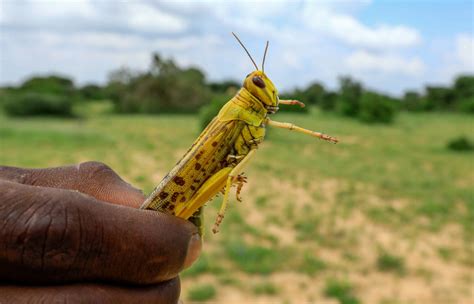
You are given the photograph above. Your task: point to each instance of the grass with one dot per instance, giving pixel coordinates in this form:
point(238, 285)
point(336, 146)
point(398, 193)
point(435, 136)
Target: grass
point(397, 181)
point(202, 293)
point(341, 290)
point(391, 263)
point(265, 289)
point(202, 266)
point(311, 264)
point(253, 259)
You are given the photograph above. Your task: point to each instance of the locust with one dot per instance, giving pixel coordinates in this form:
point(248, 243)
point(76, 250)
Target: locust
point(215, 161)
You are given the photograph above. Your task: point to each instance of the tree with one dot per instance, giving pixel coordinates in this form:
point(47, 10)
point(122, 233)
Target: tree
point(328, 101)
point(51, 85)
point(313, 94)
point(165, 87)
point(412, 101)
point(464, 87)
point(375, 107)
point(350, 93)
point(439, 98)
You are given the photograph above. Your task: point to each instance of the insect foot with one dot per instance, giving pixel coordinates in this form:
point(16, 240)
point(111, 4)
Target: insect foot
point(240, 181)
point(219, 219)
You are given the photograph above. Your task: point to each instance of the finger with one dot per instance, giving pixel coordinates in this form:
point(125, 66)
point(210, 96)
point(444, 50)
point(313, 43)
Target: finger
point(93, 178)
point(56, 235)
point(166, 292)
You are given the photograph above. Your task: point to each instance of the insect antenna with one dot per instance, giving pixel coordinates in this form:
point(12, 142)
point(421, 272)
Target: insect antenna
point(264, 55)
point(245, 50)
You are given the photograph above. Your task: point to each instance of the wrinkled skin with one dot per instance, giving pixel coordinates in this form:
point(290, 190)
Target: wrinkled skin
point(74, 234)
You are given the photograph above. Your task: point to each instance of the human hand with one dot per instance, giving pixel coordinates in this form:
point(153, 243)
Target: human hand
point(74, 234)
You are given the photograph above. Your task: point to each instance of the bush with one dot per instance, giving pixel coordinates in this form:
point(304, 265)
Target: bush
point(467, 105)
point(165, 88)
point(49, 85)
point(340, 290)
point(388, 262)
point(349, 97)
point(209, 111)
point(202, 293)
point(460, 144)
point(92, 92)
point(376, 108)
point(33, 104)
point(328, 102)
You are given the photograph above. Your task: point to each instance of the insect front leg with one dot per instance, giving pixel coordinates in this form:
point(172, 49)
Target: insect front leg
point(292, 127)
point(291, 102)
point(233, 174)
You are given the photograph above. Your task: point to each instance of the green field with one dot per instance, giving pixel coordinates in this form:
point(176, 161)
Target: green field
point(385, 216)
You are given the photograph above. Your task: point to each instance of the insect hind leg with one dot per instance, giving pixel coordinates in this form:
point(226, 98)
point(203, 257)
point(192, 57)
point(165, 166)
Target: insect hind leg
point(232, 175)
point(240, 180)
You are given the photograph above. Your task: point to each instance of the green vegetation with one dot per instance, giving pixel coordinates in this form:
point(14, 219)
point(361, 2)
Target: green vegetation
point(389, 262)
point(201, 266)
point(210, 110)
point(253, 258)
point(35, 104)
point(312, 264)
point(461, 143)
point(202, 292)
point(165, 88)
point(306, 228)
point(376, 108)
point(340, 290)
point(265, 289)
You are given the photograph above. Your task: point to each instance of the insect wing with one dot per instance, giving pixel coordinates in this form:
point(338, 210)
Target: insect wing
point(205, 157)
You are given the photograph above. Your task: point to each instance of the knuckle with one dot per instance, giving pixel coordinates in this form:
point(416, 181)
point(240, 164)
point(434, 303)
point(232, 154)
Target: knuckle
point(96, 170)
point(94, 167)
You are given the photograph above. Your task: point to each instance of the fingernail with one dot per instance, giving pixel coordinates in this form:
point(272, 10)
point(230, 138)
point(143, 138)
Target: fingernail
point(194, 249)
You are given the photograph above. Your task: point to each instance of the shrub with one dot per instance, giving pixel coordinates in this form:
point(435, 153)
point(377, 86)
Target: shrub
point(265, 289)
point(328, 102)
point(34, 104)
point(209, 111)
point(388, 262)
point(49, 85)
point(253, 259)
point(376, 108)
point(202, 293)
point(340, 290)
point(92, 92)
point(467, 105)
point(349, 97)
point(311, 264)
point(460, 144)
point(165, 88)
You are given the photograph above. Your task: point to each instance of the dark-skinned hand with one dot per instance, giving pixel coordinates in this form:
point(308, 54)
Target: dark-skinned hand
point(74, 234)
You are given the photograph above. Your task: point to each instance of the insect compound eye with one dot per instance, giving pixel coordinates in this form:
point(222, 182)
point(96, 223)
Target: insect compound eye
point(258, 81)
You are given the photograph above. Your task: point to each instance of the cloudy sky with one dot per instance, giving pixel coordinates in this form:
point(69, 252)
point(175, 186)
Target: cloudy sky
point(388, 45)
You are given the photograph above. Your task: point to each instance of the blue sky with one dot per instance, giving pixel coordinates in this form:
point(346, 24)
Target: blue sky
point(390, 46)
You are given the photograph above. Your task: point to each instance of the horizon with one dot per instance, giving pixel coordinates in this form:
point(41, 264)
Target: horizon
point(389, 47)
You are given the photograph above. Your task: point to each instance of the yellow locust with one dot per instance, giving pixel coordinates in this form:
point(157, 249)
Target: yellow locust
point(216, 159)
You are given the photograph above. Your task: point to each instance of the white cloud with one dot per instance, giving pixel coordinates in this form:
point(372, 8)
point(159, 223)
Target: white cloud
point(87, 15)
point(465, 50)
point(384, 63)
point(309, 40)
point(147, 18)
point(349, 30)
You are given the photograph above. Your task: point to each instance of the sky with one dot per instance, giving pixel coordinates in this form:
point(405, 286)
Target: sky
point(390, 46)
